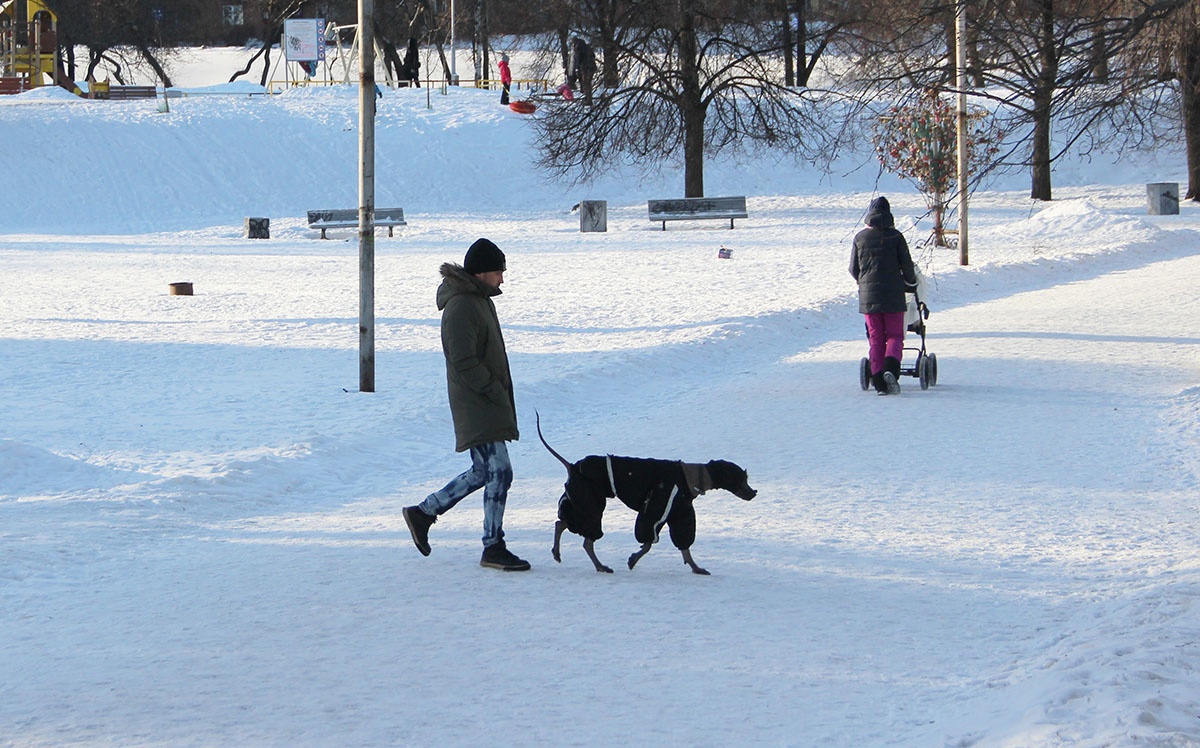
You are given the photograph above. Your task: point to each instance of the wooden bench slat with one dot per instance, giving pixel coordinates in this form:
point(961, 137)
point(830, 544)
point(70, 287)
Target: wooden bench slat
point(697, 208)
point(347, 218)
point(132, 92)
point(12, 85)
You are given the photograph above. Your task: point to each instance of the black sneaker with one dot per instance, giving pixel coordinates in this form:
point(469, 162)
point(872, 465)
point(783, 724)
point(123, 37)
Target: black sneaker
point(418, 524)
point(499, 557)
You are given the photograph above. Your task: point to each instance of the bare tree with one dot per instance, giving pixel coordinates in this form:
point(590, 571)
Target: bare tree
point(1044, 65)
point(700, 81)
point(1164, 83)
point(125, 34)
point(396, 23)
point(275, 12)
point(800, 30)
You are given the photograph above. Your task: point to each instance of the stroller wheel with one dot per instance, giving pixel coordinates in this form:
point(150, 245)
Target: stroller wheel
point(864, 373)
point(931, 365)
point(923, 371)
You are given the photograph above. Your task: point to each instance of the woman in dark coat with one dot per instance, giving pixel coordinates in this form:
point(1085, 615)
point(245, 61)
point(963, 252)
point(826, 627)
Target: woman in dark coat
point(881, 264)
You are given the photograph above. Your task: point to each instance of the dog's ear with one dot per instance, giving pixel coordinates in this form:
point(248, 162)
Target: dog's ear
point(732, 478)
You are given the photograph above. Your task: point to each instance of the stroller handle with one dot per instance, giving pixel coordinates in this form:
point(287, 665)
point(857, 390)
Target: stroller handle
point(921, 307)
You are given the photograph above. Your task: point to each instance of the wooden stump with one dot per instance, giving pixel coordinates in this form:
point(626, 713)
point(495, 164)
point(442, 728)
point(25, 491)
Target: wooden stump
point(181, 289)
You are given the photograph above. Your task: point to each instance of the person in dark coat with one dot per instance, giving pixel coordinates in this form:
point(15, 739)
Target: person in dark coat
point(582, 68)
point(883, 267)
point(482, 404)
point(412, 63)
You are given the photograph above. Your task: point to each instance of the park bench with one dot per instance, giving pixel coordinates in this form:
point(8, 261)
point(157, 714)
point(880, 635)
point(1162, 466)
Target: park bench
point(348, 219)
point(12, 85)
point(120, 93)
point(697, 208)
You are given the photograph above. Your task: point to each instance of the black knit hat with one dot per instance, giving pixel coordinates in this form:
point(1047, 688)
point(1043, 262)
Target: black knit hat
point(483, 257)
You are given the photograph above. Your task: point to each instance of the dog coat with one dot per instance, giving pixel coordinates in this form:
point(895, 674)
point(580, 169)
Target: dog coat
point(657, 490)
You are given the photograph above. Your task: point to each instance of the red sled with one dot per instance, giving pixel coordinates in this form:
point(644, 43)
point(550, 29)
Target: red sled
point(523, 107)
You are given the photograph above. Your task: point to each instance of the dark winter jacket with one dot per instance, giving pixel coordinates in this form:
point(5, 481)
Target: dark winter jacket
point(412, 61)
point(477, 375)
point(880, 262)
point(583, 61)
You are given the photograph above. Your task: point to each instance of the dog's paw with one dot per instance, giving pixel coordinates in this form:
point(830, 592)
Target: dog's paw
point(557, 556)
point(604, 569)
point(698, 570)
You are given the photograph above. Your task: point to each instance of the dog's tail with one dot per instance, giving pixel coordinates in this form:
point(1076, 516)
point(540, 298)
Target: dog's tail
point(561, 459)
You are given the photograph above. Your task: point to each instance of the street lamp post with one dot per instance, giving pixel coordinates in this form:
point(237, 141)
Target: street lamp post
point(963, 177)
point(366, 196)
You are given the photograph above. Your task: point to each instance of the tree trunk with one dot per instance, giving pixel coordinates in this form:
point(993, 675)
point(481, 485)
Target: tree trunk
point(67, 47)
point(266, 73)
point(441, 50)
point(249, 63)
point(607, 29)
point(789, 63)
point(1098, 52)
point(1043, 98)
point(974, 60)
point(693, 152)
point(95, 57)
point(939, 219)
point(154, 64)
point(1040, 156)
point(391, 59)
point(1189, 88)
point(692, 105)
point(802, 67)
point(481, 33)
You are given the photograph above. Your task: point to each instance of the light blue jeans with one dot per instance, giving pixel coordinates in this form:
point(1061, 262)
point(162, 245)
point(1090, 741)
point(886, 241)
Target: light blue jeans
point(490, 470)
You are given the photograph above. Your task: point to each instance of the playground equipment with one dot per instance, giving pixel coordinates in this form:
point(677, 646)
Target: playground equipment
point(29, 48)
point(318, 52)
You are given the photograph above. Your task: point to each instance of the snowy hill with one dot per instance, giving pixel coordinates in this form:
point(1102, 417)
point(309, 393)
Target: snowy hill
point(200, 532)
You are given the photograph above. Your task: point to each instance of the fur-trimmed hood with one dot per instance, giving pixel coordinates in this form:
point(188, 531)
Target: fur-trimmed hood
point(456, 280)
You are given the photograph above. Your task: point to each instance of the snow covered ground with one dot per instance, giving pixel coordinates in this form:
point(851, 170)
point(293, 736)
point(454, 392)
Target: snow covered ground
point(200, 532)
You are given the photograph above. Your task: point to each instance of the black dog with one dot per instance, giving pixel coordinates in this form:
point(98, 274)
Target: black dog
point(660, 491)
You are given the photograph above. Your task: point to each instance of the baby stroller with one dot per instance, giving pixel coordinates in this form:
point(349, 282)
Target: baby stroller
point(924, 366)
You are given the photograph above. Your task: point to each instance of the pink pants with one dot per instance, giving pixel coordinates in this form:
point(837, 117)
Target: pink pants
point(885, 333)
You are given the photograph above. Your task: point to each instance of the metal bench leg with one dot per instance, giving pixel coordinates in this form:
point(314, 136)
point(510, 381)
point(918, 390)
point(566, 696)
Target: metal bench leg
point(390, 230)
point(322, 233)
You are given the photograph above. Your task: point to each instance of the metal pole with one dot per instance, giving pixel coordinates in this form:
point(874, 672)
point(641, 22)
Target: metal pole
point(960, 60)
point(366, 196)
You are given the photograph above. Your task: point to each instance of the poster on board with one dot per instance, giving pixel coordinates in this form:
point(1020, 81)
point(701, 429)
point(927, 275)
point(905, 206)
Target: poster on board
point(304, 39)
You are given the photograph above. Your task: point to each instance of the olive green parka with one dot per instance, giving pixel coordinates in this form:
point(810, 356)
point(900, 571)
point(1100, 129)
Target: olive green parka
point(477, 375)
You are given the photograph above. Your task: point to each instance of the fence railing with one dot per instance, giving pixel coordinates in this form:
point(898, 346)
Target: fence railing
point(491, 84)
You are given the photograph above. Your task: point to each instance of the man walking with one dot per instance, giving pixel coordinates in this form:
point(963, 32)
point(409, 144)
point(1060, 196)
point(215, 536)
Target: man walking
point(482, 405)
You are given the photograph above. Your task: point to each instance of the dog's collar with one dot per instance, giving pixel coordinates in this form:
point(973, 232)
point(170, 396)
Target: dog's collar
point(697, 477)
point(612, 483)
